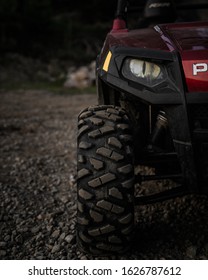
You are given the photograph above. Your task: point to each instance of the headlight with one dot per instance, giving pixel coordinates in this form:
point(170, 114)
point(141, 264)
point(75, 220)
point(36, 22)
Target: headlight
point(144, 69)
point(143, 72)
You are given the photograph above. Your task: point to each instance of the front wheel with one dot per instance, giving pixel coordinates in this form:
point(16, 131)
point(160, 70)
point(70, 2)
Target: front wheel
point(105, 185)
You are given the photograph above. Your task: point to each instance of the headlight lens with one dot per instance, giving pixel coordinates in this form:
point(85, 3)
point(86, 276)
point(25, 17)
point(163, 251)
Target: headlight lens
point(143, 72)
point(144, 69)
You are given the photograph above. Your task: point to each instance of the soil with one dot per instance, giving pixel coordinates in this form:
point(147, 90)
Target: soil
point(38, 188)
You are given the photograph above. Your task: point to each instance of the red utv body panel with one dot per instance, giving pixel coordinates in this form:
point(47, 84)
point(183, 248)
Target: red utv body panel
point(189, 39)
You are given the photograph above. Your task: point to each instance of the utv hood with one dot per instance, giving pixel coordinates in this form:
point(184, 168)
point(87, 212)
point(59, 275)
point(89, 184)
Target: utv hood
point(191, 40)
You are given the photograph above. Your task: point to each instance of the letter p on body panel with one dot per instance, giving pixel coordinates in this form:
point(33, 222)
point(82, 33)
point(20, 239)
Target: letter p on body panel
point(199, 67)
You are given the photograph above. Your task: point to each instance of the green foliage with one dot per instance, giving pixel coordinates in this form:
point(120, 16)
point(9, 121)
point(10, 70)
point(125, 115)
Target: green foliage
point(55, 87)
point(7, 8)
point(64, 29)
point(37, 12)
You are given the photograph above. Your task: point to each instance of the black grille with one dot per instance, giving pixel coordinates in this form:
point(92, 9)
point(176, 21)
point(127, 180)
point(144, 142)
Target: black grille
point(203, 163)
point(199, 116)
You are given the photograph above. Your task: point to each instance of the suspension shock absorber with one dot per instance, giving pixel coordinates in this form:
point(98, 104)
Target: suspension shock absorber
point(160, 128)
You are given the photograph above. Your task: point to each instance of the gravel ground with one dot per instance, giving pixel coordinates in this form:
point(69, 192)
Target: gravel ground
point(38, 188)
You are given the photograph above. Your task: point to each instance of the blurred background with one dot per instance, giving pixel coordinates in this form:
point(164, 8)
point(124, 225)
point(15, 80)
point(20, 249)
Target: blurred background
point(44, 41)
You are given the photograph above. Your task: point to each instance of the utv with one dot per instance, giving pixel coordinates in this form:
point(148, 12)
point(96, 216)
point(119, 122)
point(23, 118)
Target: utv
point(152, 85)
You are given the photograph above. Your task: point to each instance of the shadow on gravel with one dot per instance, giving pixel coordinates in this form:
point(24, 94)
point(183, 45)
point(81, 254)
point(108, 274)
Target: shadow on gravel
point(176, 229)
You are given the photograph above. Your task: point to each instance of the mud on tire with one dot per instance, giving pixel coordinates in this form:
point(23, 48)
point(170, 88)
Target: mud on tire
point(105, 185)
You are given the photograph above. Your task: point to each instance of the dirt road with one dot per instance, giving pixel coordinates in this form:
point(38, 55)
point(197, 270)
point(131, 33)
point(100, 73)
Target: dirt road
point(38, 188)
